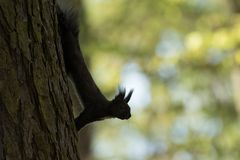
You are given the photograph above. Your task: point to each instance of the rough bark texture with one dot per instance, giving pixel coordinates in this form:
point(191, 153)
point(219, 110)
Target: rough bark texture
point(36, 120)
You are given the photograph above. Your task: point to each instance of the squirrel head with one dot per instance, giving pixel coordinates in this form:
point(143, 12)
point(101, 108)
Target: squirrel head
point(119, 107)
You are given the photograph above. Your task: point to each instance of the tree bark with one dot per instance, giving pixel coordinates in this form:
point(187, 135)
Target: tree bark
point(36, 119)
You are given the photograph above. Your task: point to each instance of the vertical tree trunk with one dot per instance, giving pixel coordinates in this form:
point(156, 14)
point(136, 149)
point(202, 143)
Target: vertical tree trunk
point(36, 120)
point(236, 69)
point(236, 88)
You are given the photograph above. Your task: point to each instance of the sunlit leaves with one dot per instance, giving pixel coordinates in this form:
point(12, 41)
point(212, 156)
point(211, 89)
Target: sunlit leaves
point(185, 52)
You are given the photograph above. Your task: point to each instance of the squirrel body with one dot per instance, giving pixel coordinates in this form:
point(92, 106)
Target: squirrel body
point(96, 106)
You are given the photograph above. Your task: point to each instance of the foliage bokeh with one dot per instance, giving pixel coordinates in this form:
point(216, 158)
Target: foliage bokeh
point(182, 59)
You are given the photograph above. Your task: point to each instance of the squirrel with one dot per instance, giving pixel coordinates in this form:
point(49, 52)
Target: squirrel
point(96, 106)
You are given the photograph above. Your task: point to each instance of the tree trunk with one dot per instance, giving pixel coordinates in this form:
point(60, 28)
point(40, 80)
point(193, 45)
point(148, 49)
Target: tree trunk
point(36, 120)
point(236, 88)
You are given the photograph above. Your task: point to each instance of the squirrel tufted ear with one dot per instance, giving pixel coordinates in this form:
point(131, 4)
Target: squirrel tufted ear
point(126, 99)
point(122, 95)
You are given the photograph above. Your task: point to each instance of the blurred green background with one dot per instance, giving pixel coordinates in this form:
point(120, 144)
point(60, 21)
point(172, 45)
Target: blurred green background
point(182, 59)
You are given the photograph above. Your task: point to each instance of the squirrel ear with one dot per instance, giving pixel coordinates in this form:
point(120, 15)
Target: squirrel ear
point(128, 96)
point(121, 94)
